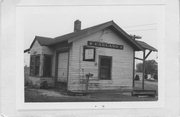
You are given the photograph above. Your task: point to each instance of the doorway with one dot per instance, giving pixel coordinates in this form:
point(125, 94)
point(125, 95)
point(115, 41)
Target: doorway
point(105, 66)
point(62, 70)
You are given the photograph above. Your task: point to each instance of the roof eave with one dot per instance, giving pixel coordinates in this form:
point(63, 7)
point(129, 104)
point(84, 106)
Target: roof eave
point(137, 47)
point(26, 50)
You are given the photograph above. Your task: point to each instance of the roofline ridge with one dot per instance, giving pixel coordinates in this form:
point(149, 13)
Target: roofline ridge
point(42, 36)
point(85, 28)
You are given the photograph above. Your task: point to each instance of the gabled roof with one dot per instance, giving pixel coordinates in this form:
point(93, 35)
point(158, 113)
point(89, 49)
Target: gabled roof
point(84, 32)
point(45, 41)
point(146, 46)
point(94, 29)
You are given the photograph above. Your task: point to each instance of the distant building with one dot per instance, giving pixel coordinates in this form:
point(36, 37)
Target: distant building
point(140, 74)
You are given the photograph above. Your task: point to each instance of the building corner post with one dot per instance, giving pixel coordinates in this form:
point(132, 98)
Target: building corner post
point(144, 53)
point(133, 68)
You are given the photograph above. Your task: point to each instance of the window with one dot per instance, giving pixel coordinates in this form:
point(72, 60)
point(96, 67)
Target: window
point(105, 65)
point(47, 66)
point(34, 65)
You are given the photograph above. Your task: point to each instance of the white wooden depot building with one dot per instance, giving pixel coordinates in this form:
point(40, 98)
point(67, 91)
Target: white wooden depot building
point(105, 51)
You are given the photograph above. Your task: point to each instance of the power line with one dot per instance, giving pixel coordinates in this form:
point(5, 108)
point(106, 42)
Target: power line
point(140, 25)
point(142, 30)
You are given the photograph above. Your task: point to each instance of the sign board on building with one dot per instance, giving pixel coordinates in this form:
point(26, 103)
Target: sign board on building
point(105, 45)
point(88, 53)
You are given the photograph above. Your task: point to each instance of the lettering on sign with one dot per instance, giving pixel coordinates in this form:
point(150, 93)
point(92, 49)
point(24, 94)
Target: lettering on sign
point(105, 45)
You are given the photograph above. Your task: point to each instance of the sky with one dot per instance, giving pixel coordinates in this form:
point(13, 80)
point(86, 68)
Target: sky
point(53, 21)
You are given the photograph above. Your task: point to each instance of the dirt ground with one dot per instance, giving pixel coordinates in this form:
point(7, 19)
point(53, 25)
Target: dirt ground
point(53, 95)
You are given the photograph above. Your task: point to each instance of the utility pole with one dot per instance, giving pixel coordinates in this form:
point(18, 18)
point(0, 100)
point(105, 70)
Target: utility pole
point(134, 37)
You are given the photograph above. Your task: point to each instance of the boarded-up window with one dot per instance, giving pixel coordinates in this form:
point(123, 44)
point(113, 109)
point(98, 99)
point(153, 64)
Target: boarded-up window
point(105, 65)
point(34, 65)
point(47, 66)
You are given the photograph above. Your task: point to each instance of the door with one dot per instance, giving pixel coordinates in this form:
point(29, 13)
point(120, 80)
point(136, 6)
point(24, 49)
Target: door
point(62, 67)
point(105, 66)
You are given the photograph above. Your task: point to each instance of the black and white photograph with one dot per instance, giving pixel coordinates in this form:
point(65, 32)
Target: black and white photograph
point(91, 54)
point(89, 58)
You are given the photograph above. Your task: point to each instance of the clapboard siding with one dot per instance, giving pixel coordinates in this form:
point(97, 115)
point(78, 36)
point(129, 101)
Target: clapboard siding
point(47, 50)
point(52, 51)
point(122, 62)
point(36, 48)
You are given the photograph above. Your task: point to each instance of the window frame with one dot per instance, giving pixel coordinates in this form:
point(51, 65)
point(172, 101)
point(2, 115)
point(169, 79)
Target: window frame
point(99, 67)
point(35, 66)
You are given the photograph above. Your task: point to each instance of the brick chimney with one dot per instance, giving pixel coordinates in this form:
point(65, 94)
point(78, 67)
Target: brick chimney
point(77, 25)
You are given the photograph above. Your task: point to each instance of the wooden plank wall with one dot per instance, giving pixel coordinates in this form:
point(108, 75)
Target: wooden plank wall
point(122, 66)
point(37, 49)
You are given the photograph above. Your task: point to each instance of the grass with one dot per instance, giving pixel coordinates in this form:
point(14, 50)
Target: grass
point(54, 95)
point(151, 85)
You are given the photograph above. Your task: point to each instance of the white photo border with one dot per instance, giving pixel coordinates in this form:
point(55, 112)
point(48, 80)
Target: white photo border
point(21, 105)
